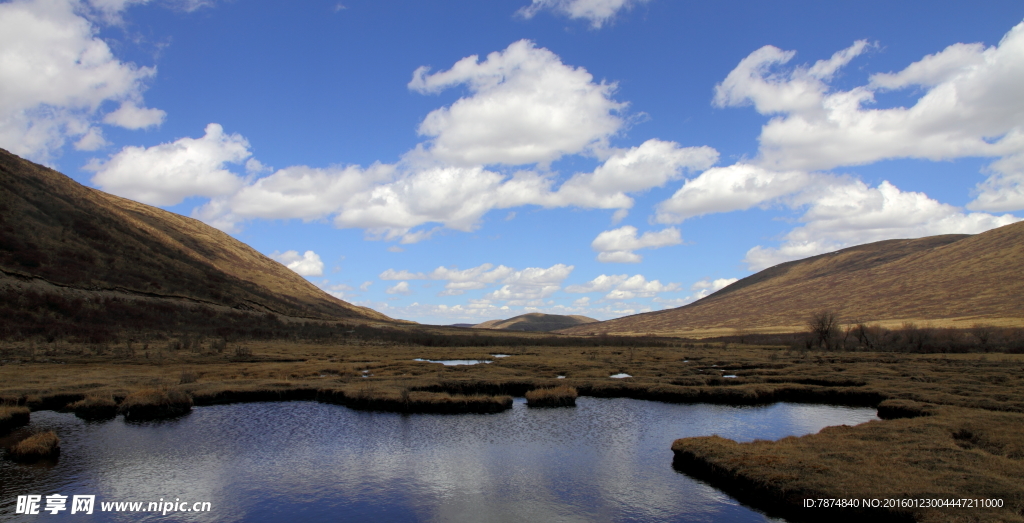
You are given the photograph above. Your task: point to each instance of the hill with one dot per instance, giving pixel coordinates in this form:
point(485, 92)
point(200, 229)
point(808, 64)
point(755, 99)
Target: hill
point(949, 280)
point(535, 322)
point(69, 242)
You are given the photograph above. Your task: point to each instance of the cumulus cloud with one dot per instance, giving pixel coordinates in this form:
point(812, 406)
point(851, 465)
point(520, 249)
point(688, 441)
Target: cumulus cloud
point(306, 264)
point(705, 287)
point(526, 107)
point(624, 287)
point(530, 284)
point(401, 287)
point(168, 173)
point(56, 76)
point(391, 201)
point(131, 116)
point(598, 12)
point(736, 187)
point(459, 281)
point(638, 287)
point(849, 214)
point(970, 106)
point(527, 284)
point(651, 164)
point(617, 245)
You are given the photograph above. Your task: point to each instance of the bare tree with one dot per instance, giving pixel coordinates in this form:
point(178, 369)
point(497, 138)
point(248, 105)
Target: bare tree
point(824, 327)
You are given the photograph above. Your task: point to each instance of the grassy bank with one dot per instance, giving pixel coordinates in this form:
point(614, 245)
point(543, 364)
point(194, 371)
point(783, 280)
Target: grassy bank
point(12, 416)
point(952, 415)
point(563, 396)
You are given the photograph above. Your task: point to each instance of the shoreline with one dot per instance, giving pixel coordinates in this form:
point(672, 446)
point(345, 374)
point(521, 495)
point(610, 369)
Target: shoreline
point(951, 422)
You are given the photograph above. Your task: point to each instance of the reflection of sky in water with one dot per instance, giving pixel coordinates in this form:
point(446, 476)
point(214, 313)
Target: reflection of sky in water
point(605, 460)
point(454, 362)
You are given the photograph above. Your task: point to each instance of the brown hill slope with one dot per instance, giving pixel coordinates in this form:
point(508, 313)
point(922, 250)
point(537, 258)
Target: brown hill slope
point(949, 280)
point(535, 322)
point(58, 234)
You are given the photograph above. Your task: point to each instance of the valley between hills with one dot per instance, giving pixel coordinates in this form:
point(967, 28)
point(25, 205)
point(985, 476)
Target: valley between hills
point(113, 307)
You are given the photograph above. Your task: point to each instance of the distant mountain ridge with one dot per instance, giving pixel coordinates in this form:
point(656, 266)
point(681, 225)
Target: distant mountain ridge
point(57, 234)
point(949, 280)
point(535, 322)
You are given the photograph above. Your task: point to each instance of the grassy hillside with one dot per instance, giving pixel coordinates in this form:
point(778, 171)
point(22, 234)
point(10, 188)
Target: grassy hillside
point(536, 322)
point(949, 280)
point(62, 241)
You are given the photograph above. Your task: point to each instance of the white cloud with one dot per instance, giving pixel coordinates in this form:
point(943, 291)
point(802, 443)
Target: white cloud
point(638, 287)
point(365, 286)
point(1004, 189)
point(970, 106)
point(849, 214)
point(131, 116)
point(306, 264)
point(617, 245)
point(705, 287)
point(55, 76)
point(652, 164)
point(598, 12)
point(602, 283)
point(624, 287)
point(168, 173)
point(713, 285)
point(392, 274)
point(401, 287)
point(91, 140)
point(736, 187)
point(529, 283)
point(532, 283)
point(391, 201)
point(340, 290)
point(526, 107)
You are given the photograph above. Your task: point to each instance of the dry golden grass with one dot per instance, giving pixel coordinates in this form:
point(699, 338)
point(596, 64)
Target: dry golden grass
point(42, 445)
point(564, 396)
point(977, 397)
point(62, 232)
point(12, 416)
point(956, 453)
point(155, 404)
point(94, 407)
point(950, 280)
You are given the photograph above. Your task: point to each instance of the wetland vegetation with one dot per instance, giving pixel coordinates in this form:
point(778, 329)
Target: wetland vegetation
point(954, 419)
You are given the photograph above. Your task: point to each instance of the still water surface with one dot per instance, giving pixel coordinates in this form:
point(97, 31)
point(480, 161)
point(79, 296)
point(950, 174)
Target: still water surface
point(605, 460)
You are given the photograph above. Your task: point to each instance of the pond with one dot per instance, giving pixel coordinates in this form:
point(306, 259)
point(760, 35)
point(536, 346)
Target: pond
point(604, 460)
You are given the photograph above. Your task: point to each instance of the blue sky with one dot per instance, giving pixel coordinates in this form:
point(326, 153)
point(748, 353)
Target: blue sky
point(459, 161)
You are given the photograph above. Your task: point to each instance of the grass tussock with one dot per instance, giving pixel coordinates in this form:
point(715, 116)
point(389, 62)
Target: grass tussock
point(972, 397)
point(12, 416)
point(564, 396)
point(150, 404)
point(955, 453)
point(94, 407)
point(42, 445)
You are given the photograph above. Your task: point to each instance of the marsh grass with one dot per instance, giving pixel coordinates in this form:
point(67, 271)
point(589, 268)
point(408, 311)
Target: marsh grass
point(973, 396)
point(42, 445)
point(564, 396)
point(956, 453)
point(150, 404)
point(94, 407)
point(12, 416)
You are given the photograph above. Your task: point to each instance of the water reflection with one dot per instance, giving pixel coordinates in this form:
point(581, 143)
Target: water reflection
point(605, 460)
point(454, 362)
